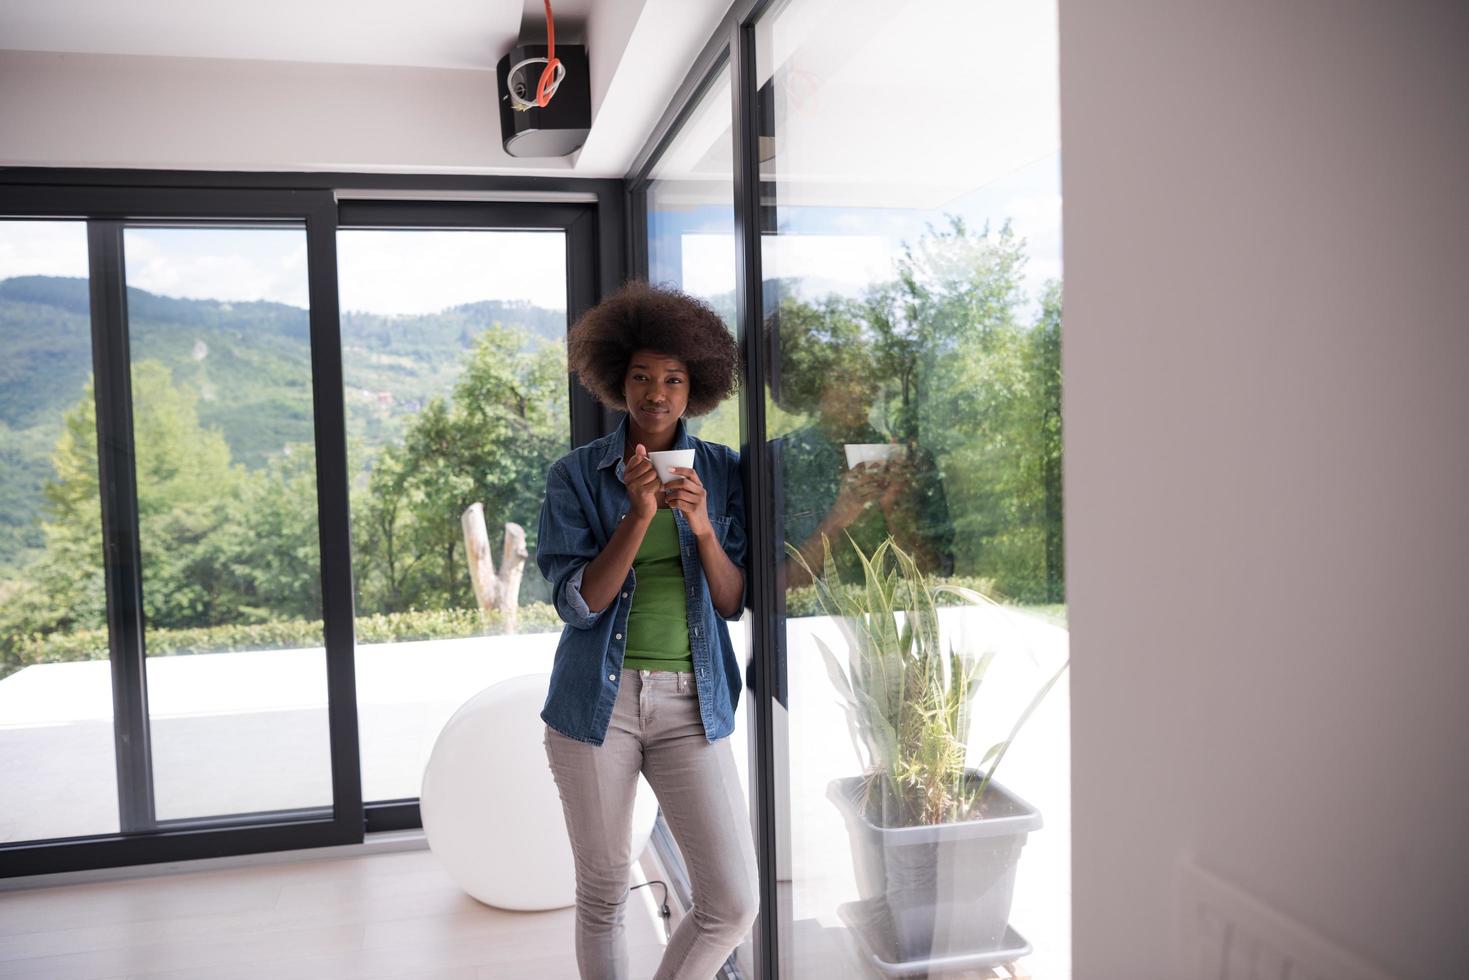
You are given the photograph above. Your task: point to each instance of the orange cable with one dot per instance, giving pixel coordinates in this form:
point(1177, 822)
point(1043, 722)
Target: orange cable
point(549, 73)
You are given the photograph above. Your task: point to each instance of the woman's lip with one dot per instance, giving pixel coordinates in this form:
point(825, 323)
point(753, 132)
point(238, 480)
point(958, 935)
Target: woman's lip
point(655, 411)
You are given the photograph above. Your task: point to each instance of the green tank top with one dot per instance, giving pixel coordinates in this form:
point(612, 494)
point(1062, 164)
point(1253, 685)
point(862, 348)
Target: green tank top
point(657, 624)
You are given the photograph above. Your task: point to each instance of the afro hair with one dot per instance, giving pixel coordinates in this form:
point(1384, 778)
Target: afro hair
point(643, 317)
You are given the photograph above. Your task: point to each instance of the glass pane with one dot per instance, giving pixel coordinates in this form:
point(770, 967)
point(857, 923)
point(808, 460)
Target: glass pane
point(226, 474)
point(913, 304)
point(691, 246)
point(691, 233)
point(58, 774)
point(454, 364)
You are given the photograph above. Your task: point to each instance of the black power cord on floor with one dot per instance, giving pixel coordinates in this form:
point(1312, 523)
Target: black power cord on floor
point(663, 910)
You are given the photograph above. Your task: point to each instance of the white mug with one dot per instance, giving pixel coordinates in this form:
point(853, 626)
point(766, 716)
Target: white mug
point(665, 459)
point(869, 452)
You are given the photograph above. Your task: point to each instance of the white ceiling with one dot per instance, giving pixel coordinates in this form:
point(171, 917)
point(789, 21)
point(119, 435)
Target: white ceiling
point(423, 34)
point(370, 85)
point(385, 85)
point(857, 124)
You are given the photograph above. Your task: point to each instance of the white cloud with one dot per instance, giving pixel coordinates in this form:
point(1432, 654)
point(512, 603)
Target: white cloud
point(708, 264)
point(427, 271)
point(379, 271)
point(844, 263)
point(1035, 217)
point(43, 248)
point(229, 264)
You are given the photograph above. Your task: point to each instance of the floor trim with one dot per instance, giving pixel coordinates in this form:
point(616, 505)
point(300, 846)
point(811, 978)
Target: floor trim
point(379, 843)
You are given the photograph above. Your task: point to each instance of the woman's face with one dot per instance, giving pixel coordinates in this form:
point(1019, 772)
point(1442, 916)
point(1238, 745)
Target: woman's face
point(845, 400)
point(656, 388)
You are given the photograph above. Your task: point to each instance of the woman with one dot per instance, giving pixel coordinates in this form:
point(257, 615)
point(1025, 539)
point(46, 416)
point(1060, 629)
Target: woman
point(645, 679)
point(829, 372)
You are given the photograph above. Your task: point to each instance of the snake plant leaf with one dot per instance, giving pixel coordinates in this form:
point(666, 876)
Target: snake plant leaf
point(957, 694)
point(879, 608)
point(879, 730)
point(828, 563)
point(825, 597)
point(956, 683)
point(969, 595)
point(854, 732)
point(835, 672)
point(992, 752)
point(981, 667)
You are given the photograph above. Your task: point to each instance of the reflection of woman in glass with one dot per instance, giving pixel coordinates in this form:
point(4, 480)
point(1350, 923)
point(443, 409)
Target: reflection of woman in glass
point(645, 678)
point(829, 369)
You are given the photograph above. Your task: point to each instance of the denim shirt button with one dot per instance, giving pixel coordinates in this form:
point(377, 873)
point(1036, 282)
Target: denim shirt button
point(612, 677)
point(618, 636)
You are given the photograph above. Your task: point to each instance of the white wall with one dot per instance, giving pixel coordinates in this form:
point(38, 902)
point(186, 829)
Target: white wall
point(1267, 467)
point(98, 110)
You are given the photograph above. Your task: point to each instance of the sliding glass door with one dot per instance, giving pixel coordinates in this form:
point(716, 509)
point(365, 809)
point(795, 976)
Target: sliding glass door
point(885, 223)
point(176, 618)
point(178, 670)
point(911, 296)
point(184, 646)
point(57, 773)
point(219, 343)
point(690, 245)
point(454, 366)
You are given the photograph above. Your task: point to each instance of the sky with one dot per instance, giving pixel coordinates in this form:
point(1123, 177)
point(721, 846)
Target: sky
point(844, 249)
point(402, 272)
point(413, 272)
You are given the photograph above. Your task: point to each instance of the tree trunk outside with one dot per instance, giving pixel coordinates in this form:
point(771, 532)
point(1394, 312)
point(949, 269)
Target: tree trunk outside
point(498, 592)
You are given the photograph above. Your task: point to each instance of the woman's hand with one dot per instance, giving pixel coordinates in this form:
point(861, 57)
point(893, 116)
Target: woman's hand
point(642, 484)
point(686, 493)
point(860, 486)
point(897, 474)
point(726, 580)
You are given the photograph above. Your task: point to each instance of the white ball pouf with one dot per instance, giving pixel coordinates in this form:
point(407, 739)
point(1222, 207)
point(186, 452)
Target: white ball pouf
point(491, 811)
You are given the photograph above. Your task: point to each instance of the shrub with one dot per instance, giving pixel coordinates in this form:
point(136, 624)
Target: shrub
point(804, 601)
point(428, 624)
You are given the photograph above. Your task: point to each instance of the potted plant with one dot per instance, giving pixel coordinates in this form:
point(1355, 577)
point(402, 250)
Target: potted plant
point(935, 841)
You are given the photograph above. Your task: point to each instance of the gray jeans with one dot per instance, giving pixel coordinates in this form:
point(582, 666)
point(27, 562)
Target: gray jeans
point(656, 730)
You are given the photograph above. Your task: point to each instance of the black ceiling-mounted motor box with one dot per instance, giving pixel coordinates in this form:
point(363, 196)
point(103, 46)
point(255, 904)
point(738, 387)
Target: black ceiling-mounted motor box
point(561, 127)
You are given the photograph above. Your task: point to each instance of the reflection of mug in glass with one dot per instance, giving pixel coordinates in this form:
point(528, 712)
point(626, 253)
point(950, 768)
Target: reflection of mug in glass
point(870, 452)
point(665, 459)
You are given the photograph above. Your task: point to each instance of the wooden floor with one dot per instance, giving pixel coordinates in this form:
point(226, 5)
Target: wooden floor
point(390, 914)
point(394, 913)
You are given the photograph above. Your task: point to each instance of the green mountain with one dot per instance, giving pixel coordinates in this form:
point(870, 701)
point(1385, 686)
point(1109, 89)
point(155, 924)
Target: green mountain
point(248, 362)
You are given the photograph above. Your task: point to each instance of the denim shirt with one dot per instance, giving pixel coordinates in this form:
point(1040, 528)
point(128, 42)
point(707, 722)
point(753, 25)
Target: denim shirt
point(585, 499)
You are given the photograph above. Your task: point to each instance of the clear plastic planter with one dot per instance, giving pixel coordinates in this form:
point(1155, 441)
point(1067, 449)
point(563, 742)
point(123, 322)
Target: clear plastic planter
point(938, 890)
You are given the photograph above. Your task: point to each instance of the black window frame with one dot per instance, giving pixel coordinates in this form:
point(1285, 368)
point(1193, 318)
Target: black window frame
point(590, 211)
point(589, 418)
point(732, 46)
